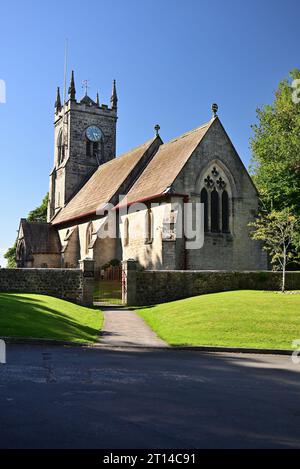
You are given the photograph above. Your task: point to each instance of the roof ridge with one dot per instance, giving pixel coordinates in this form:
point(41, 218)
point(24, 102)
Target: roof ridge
point(107, 163)
point(137, 147)
point(159, 174)
point(37, 222)
point(122, 166)
point(186, 134)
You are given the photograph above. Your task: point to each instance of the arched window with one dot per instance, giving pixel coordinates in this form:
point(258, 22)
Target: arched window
point(21, 254)
point(92, 149)
point(89, 237)
point(95, 149)
point(149, 226)
point(126, 232)
point(60, 148)
point(215, 209)
point(88, 148)
point(225, 212)
point(217, 196)
point(204, 201)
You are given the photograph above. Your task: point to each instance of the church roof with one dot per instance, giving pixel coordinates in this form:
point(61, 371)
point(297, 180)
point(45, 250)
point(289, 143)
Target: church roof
point(87, 100)
point(40, 237)
point(166, 165)
point(103, 185)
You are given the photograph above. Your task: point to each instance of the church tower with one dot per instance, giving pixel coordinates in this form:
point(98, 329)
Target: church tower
point(85, 137)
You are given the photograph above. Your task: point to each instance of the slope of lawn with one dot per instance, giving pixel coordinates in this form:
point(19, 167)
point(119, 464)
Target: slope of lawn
point(41, 316)
point(256, 319)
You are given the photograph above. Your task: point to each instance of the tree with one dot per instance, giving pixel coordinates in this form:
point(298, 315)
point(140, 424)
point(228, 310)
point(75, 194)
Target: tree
point(10, 256)
point(280, 233)
point(276, 149)
point(38, 214)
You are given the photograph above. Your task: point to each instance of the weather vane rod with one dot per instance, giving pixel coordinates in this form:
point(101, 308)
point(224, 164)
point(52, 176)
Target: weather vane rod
point(65, 90)
point(85, 86)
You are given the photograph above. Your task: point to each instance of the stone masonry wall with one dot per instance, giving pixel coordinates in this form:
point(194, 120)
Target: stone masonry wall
point(68, 176)
point(69, 284)
point(152, 287)
point(222, 251)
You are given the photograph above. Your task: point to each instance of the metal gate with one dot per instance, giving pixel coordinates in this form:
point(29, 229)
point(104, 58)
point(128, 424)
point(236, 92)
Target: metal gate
point(108, 285)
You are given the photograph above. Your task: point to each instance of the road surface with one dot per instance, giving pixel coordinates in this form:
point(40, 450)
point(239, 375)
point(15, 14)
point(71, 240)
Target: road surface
point(73, 397)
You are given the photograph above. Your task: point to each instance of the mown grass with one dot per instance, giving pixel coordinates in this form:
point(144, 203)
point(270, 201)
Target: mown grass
point(256, 319)
point(41, 316)
point(108, 291)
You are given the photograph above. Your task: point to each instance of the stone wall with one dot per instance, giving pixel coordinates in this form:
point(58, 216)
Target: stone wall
point(69, 284)
point(142, 287)
point(45, 260)
point(148, 255)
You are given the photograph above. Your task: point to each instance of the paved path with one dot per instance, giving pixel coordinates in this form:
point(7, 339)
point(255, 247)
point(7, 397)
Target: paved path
point(74, 397)
point(126, 328)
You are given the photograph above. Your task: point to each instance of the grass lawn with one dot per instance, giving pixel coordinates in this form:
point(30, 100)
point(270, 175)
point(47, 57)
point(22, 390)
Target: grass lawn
point(41, 316)
point(255, 319)
point(108, 291)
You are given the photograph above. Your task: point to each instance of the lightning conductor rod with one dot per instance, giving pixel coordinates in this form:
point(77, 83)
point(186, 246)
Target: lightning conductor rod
point(65, 90)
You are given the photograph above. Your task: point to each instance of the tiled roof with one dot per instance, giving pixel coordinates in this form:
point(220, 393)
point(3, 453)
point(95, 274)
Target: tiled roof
point(40, 237)
point(166, 165)
point(102, 185)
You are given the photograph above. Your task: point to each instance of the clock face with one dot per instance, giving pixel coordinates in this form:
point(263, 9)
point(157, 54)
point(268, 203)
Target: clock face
point(93, 133)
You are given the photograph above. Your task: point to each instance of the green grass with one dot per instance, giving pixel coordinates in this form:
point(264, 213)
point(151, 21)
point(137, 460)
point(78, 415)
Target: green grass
point(41, 316)
point(256, 319)
point(108, 291)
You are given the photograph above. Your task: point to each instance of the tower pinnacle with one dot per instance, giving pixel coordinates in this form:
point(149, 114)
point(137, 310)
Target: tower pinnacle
point(114, 97)
point(58, 101)
point(72, 90)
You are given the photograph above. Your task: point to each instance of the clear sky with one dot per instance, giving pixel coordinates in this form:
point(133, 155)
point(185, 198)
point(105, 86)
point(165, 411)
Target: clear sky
point(171, 60)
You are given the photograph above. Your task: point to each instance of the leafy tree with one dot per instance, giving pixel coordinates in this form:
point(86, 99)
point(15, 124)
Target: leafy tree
point(276, 150)
point(38, 214)
point(10, 256)
point(280, 233)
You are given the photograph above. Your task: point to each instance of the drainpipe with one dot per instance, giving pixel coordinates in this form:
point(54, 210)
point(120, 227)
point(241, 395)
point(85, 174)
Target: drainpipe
point(185, 201)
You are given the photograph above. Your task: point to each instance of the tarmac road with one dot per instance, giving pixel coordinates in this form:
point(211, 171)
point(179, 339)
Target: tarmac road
point(75, 397)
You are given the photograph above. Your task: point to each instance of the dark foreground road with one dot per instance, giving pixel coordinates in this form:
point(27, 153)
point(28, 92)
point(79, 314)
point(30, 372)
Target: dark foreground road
point(55, 397)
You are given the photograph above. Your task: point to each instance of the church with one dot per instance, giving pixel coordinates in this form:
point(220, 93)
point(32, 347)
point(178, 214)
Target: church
point(147, 190)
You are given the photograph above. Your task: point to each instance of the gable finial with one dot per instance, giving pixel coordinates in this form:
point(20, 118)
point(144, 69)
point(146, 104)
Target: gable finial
point(58, 100)
point(97, 99)
point(72, 90)
point(114, 97)
point(214, 108)
point(157, 129)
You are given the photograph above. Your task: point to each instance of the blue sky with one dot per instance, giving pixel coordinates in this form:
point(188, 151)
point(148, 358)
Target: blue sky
point(171, 60)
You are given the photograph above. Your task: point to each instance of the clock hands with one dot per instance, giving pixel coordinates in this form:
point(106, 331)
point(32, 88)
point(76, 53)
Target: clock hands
point(94, 134)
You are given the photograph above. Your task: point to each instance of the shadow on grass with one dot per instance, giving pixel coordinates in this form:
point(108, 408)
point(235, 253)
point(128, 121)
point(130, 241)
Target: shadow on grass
point(22, 316)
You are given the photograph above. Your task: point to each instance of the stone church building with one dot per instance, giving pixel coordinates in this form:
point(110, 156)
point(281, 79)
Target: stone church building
point(200, 166)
